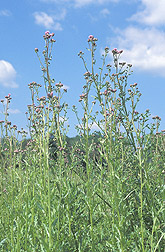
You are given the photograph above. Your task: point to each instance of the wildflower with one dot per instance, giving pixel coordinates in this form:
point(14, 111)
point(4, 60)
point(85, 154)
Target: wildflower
point(38, 110)
point(47, 35)
point(158, 118)
point(90, 38)
point(59, 85)
point(42, 98)
point(106, 49)
point(133, 85)
point(87, 74)
point(113, 90)
point(57, 106)
point(36, 50)
point(43, 69)
point(105, 92)
point(8, 97)
point(60, 148)
point(80, 54)
point(50, 95)
point(83, 96)
point(114, 51)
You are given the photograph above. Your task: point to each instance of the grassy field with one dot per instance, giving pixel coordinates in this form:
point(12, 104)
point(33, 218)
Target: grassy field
point(104, 190)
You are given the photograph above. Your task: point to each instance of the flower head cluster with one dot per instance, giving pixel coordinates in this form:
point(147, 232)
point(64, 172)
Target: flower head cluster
point(156, 117)
point(133, 85)
point(87, 74)
point(91, 38)
point(82, 96)
point(50, 95)
point(59, 85)
point(115, 51)
point(48, 35)
point(34, 84)
point(42, 98)
point(8, 97)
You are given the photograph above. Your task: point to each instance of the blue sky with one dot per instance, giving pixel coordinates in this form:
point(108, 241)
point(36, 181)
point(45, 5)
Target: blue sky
point(136, 26)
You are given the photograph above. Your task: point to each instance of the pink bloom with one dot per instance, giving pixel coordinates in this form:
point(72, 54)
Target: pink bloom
point(91, 37)
point(50, 95)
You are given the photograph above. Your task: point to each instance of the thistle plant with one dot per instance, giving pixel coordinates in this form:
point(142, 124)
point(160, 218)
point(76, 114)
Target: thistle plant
point(120, 125)
point(100, 191)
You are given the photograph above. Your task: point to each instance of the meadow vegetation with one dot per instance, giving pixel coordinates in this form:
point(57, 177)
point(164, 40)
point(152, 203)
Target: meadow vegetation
point(100, 191)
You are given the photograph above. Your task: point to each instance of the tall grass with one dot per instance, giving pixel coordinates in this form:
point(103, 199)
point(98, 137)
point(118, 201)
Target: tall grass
point(105, 192)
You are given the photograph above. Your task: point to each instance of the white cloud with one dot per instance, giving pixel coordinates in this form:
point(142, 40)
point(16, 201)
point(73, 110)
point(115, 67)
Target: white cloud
point(50, 21)
point(41, 18)
point(7, 75)
point(104, 12)
point(144, 48)
point(5, 13)
point(14, 111)
point(153, 13)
